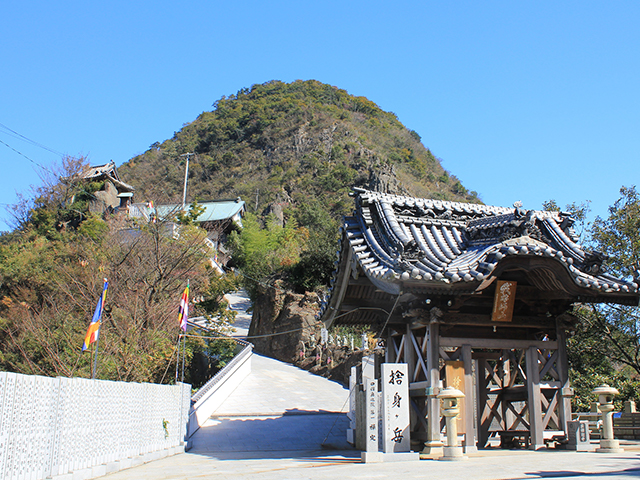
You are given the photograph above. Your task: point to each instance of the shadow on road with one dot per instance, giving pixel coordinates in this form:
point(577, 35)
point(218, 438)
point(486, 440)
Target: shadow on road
point(296, 434)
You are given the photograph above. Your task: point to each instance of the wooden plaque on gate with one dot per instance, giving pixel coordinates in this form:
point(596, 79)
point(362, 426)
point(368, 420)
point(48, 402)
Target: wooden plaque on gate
point(503, 301)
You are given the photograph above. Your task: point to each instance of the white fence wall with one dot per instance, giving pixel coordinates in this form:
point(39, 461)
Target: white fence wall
point(52, 427)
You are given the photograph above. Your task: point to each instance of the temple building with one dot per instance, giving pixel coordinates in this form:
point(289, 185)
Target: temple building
point(218, 218)
point(114, 195)
point(471, 296)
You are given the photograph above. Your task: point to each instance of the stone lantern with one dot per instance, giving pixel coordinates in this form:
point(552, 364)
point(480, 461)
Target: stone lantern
point(608, 444)
point(451, 408)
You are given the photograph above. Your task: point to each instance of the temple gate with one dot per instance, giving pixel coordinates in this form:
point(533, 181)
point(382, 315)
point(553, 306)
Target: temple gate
point(475, 297)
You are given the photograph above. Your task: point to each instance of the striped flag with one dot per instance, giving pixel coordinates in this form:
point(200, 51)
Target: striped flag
point(94, 327)
point(183, 312)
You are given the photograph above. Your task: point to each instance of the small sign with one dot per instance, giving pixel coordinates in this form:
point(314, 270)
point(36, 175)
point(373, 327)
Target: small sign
point(503, 301)
point(578, 435)
point(371, 414)
point(395, 408)
point(369, 366)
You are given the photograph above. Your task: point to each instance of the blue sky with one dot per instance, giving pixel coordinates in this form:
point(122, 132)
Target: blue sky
point(520, 100)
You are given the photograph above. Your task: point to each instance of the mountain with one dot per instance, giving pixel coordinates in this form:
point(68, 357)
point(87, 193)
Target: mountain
point(291, 143)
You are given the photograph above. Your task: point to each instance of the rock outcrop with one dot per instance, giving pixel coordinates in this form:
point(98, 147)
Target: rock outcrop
point(284, 326)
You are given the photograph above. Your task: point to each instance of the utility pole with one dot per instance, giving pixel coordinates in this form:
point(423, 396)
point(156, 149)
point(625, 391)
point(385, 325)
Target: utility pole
point(186, 175)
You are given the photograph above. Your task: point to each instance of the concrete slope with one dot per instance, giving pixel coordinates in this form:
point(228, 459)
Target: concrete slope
point(240, 303)
point(277, 408)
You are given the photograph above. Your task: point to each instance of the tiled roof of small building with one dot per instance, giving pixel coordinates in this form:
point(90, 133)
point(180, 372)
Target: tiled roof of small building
point(106, 171)
point(214, 210)
point(399, 241)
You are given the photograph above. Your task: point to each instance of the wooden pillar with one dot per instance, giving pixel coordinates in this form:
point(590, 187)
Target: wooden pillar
point(409, 354)
point(390, 352)
point(566, 392)
point(506, 374)
point(534, 400)
point(433, 444)
point(469, 443)
point(481, 401)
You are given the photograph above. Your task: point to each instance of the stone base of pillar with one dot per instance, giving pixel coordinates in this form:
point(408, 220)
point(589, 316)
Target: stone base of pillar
point(609, 446)
point(453, 454)
point(380, 457)
point(432, 449)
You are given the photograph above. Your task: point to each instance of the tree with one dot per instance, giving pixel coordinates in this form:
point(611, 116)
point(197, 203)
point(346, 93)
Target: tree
point(53, 204)
point(190, 216)
point(618, 327)
point(263, 251)
point(50, 288)
point(51, 276)
point(605, 347)
point(619, 235)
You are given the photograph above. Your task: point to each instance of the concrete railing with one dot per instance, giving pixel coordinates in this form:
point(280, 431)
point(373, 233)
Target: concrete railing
point(78, 428)
point(207, 400)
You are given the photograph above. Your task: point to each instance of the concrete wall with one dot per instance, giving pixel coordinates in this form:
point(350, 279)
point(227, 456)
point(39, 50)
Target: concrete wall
point(78, 428)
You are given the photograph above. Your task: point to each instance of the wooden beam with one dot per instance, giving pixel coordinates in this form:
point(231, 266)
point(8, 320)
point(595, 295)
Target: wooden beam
point(453, 318)
point(364, 304)
point(566, 391)
point(497, 343)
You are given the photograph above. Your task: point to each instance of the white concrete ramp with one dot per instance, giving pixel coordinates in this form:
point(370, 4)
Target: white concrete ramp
point(277, 408)
point(239, 302)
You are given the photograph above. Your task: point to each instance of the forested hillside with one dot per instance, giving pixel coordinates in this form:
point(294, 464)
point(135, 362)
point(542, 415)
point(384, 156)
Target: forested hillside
point(303, 141)
point(293, 152)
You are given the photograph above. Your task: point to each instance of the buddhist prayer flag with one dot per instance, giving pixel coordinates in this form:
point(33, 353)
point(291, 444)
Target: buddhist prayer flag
point(94, 326)
point(183, 313)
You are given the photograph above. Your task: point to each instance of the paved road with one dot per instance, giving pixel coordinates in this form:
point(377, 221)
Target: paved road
point(285, 423)
point(274, 424)
point(486, 465)
point(277, 407)
point(240, 303)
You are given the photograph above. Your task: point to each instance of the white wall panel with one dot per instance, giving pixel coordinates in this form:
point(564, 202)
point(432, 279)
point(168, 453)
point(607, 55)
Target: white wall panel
point(55, 426)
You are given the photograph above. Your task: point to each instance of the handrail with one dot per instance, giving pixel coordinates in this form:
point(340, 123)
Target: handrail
point(218, 377)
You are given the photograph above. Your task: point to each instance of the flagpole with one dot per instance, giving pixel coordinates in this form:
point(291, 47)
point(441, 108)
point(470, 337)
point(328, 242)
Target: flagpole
point(93, 332)
point(95, 358)
point(184, 350)
point(178, 357)
point(184, 344)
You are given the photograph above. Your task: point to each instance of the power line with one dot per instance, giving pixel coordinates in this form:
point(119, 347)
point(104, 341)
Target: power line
point(15, 134)
point(30, 159)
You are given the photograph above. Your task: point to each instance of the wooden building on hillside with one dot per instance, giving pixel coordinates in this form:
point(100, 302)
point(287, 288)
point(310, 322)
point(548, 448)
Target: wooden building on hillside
point(218, 218)
point(114, 195)
point(471, 296)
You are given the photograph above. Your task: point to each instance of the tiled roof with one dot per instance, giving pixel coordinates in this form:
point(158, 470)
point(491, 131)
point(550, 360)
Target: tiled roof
point(109, 171)
point(450, 246)
point(214, 210)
